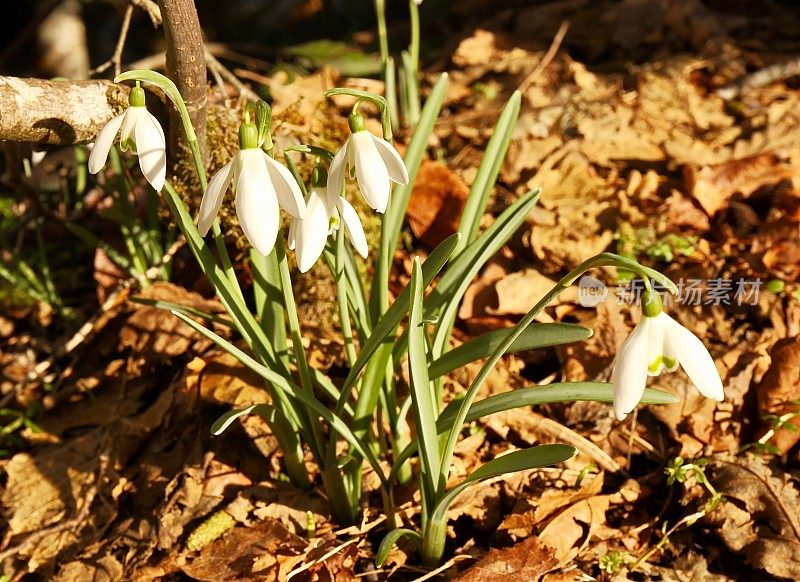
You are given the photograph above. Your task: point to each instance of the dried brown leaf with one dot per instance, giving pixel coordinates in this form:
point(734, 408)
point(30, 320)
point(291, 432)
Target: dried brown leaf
point(760, 519)
point(712, 186)
point(437, 201)
point(779, 391)
point(527, 560)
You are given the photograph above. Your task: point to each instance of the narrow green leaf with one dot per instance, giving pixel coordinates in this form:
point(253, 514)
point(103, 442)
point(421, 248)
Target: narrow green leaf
point(552, 393)
point(223, 422)
point(415, 151)
point(185, 309)
point(421, 395)
point(537, 335)
point(394, 315)
point(391, 539)
point(487, 172)
point(293, 391)
point(531, 458)
point(460, 272)
point(531, 396)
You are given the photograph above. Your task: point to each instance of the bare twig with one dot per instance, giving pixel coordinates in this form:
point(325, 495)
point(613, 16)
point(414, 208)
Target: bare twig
point(760, 78)
point(116, 58)
point(547, 58)
point(218, 69)
point(152, 9)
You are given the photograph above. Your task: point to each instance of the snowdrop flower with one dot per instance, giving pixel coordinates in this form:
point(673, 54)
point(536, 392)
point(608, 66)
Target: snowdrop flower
point(375, 162)
point(260, 184)
point(659, 343)
point(141, 134)
point(307, 235)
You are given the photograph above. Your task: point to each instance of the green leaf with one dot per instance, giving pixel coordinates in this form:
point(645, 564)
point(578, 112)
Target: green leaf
point(292, 390)
point(531, 458)
point(489, 169)
point(460, 272)
point(558, 392)
point(538, 335)
point(398, 204)
point(349, 61)
point(552, 393)
point(422, 399)
point(185, 309)
point(394, 315)
point(223, 422)
point(391, 539)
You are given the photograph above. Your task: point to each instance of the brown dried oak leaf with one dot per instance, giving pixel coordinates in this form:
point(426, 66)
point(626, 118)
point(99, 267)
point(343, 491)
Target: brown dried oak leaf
point(760, 518)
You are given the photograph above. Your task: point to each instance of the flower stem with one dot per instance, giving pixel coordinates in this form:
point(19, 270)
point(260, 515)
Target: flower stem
point(341, 295)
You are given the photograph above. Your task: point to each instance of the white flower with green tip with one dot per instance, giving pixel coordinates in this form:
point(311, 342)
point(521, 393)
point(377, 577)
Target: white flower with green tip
point(373, 161)
point(307, 236)
point(141, 134)
point(261, 184)
point(660, 343)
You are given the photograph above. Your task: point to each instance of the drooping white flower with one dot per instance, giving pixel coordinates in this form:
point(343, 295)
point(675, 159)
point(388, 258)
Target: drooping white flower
point(261, 185)
point(660, 343)
point(141, 134)
point(307, 236)
point(373, 160)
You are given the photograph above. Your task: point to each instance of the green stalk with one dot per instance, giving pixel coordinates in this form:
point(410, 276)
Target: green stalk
point(341, 296)
point(601, 260)
point(252, 333)
point(383, 37)
point(297, 340)
point(413, 47)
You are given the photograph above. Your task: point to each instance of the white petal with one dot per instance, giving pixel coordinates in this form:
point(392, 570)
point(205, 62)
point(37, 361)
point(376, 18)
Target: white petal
point(289, 195)
point(151, 149)
point(630, 369)
point(655, 343)
point(291, 237)
point(671, 362)
point(353, 227)
point(126, 135)
point(213, 197)
point(256, 202)
point(391, 158)
point(371, 173)
point(102, 143)
point(336, 173)
point(313, 232)
point(695, 359)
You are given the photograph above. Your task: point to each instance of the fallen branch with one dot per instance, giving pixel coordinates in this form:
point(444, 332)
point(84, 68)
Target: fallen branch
point(57, 112)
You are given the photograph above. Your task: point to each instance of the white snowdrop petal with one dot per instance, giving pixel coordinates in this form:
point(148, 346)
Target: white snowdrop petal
point(103, 142)
point(695, 359)
point(256, 202)
point(391, 158)
point(289, 195)
point(313, 232)
point(336, 174)
point(213, 197)
point(353, 227)
point(126, 134)
point(630, 370)
point(291, 237)
point(151, 149)
point(371, 173)
point(655, 342)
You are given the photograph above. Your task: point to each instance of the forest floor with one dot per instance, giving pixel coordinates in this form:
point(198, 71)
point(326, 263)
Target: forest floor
point(651, 135)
